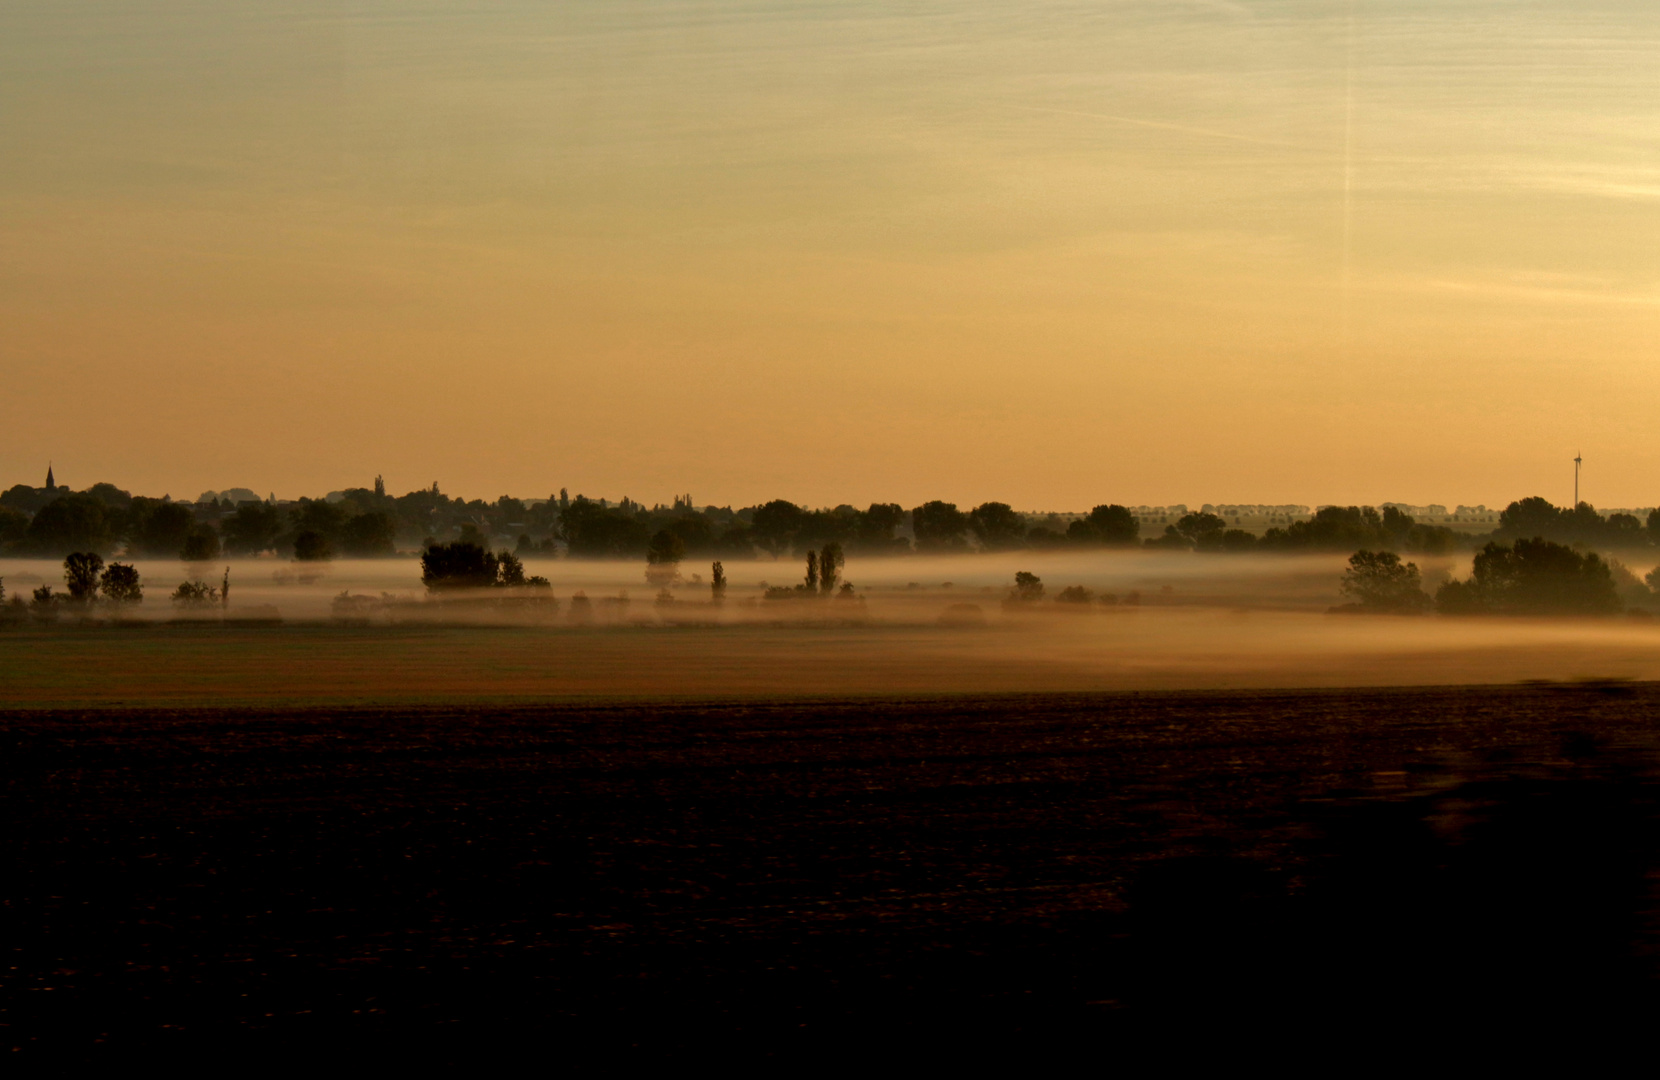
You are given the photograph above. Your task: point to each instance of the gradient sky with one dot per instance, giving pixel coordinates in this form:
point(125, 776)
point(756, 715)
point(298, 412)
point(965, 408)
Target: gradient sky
point(1050, 253)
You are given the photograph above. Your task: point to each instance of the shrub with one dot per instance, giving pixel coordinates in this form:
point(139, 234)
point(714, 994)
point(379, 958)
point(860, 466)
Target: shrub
point(1027, 587)
point(194, 594)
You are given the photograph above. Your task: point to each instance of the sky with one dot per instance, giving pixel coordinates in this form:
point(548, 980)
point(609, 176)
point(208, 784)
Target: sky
point(1050, 253)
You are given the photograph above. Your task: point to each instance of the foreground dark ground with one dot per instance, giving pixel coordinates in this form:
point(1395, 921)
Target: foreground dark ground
point(966, 874)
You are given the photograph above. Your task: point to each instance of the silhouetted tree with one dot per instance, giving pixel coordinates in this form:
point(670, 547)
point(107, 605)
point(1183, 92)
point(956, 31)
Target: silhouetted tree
point(874, 531)
point(663, 557)
point(1652, 578)
point(773, 527)
point(997, 526)
point(1459, 598)
point(1074, 594)
point(510, 572)
point(159, 528)
point(595, 531)
point(1338, 528)
point(252, 528)
point(1043, 538)
point(1203, 531)
point(1109, 524)
point(694, 532)
point(319, 515)
point(820, 527)
point(69, 523)
point(717, 581)
point(313, 546)
point(458, 565)
point(369, 534)
point(1379, 581)
point(1583, 525)
point(26, 500)
point(201, 545)
point(812, 572)
point(830, 563)
point(1027, 587)
point(14, 525)
point(111, 496)
point(1533, 577)
point(80, 575)
point(1623, 531)
point(939, 526)
point(1529, 517)
point(1169, 539)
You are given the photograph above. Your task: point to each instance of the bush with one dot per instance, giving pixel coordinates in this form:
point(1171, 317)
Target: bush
point(1027, 588)
point(1074, 594)
point(194, 594)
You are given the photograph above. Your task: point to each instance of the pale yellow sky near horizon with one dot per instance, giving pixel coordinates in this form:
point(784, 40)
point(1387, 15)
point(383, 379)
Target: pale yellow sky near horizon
point(1055, 254)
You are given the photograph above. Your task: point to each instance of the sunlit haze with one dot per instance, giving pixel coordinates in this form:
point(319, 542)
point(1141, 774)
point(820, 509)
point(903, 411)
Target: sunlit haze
point(1050, 253)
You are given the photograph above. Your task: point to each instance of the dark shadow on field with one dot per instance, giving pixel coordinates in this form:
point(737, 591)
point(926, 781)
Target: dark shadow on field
point(939, 879)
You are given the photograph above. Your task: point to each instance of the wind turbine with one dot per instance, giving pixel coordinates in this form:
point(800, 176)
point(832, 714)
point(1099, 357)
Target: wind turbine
point(1577, 460)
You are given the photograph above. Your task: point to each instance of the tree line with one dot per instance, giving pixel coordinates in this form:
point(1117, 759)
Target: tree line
point(366, 522)
point(1531, 576)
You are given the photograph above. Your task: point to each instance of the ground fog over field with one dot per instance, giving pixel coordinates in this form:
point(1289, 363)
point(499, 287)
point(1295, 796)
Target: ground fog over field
point(918, 626)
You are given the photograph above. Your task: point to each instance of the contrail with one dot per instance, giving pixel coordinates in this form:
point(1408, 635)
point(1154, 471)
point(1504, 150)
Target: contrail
point(1161, 125)
point(1348, 180)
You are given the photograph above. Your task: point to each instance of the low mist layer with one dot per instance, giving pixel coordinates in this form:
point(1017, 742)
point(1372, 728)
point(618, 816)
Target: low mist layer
point(919, 626)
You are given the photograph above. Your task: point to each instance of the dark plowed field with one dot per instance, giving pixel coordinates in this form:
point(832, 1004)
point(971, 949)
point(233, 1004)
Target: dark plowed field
point(828, 878)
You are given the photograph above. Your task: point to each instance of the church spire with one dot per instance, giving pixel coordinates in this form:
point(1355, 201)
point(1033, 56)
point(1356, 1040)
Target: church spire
point(50, 486)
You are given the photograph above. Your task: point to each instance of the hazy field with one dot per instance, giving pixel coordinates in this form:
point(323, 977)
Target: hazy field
point(1201, 623)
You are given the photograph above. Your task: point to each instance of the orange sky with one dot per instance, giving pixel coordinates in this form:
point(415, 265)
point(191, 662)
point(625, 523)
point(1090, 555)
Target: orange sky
point(1053, 253)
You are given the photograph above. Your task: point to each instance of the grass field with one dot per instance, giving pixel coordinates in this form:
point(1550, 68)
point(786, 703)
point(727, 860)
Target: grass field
point(1174, 648)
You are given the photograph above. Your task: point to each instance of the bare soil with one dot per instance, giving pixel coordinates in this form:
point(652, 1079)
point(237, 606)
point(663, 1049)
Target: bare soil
point(830, 879)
